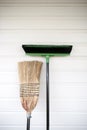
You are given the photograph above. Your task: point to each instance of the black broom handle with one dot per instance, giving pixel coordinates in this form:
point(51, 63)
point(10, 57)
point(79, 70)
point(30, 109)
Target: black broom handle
point(28, 122)
point(47, 95)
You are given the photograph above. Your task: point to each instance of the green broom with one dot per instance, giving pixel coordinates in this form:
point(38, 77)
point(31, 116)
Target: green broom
point(47, 51)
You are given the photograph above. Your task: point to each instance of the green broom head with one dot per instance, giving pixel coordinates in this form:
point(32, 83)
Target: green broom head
point(47, 50)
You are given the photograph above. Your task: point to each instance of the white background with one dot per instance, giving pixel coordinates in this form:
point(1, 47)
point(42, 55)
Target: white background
point(44, 22)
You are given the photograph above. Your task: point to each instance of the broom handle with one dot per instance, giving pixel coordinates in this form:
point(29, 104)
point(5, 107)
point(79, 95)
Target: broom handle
point(28, 121)
point(47, 93)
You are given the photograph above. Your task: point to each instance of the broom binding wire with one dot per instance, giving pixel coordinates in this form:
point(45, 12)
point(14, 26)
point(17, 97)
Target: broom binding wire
point(29, 89)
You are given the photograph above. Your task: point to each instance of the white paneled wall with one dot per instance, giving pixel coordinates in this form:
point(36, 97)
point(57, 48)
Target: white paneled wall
point(44, 22)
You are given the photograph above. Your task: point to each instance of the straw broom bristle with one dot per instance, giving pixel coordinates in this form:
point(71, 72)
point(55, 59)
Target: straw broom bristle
point(29, 77)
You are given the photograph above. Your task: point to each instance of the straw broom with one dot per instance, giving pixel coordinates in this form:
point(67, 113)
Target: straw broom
point(29, 77)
